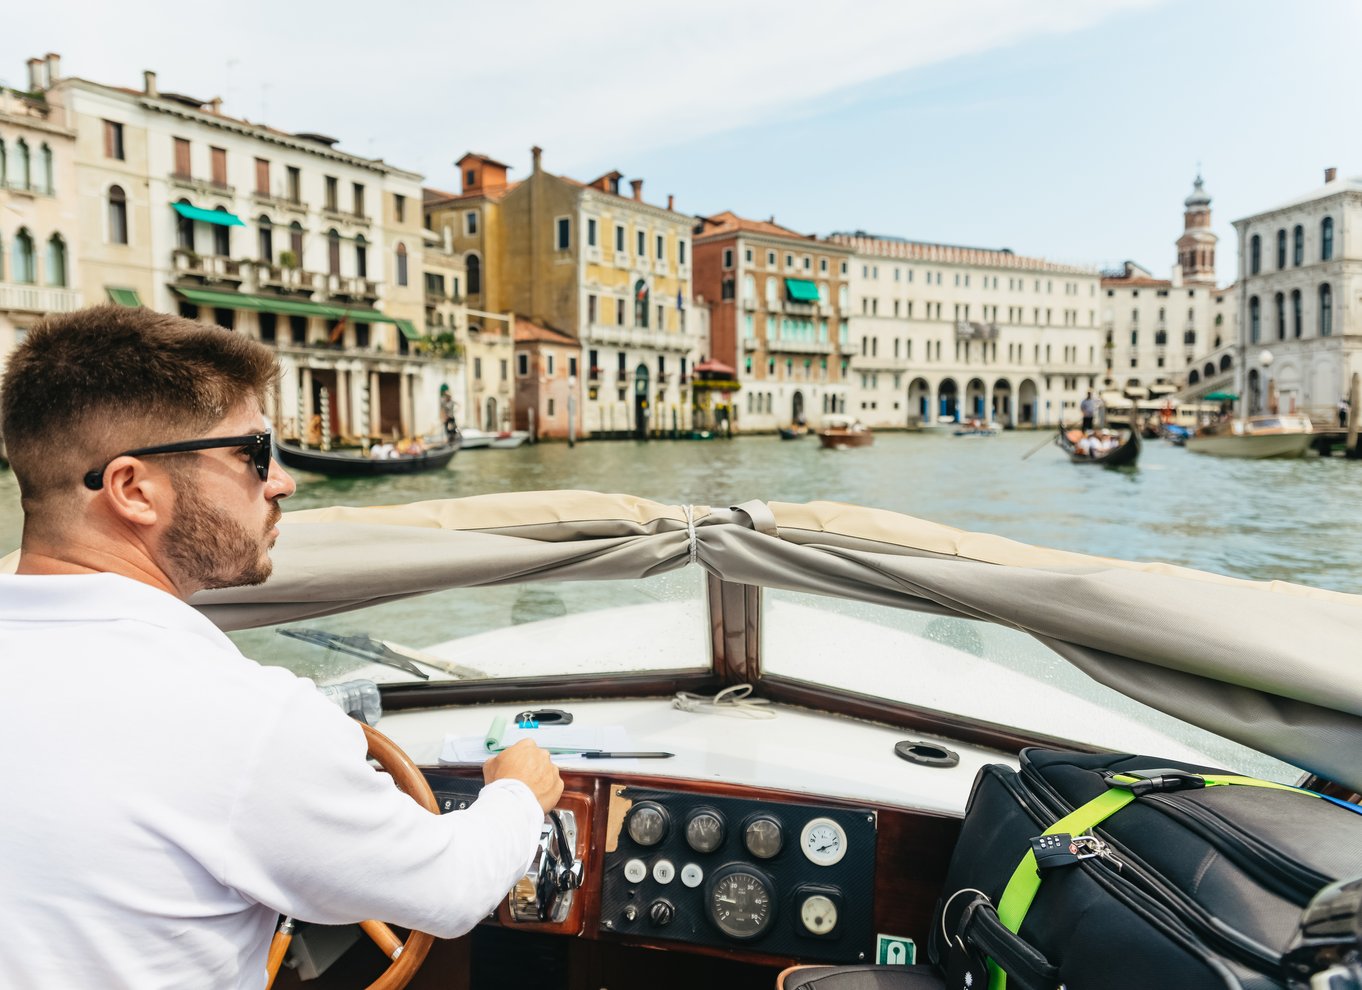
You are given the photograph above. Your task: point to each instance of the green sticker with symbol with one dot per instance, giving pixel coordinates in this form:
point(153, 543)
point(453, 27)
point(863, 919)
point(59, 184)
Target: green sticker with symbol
point(895, 950)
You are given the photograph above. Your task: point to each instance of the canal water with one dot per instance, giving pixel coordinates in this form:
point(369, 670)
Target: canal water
point(1267, 520)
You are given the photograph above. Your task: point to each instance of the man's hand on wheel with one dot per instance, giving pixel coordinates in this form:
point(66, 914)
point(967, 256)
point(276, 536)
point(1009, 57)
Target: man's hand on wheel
point(530, 765)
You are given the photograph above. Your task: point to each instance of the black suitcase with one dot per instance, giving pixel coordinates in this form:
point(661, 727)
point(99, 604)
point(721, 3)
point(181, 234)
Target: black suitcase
point(1186, 886)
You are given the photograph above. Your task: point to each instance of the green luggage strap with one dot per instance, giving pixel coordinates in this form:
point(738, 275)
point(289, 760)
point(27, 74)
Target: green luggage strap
point(1022, 888)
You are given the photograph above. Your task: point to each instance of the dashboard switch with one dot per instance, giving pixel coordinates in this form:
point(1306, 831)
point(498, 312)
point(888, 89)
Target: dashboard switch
point(661, 912)
point(635, 870)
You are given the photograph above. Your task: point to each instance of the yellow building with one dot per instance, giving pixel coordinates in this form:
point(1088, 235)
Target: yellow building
point(611, 270)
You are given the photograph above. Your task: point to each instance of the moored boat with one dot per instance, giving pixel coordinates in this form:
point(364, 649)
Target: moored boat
point(1124, 454)
point(509, 439)
point(793, 432)
point(349, 464)
point(471, 439)
point(1255, 437)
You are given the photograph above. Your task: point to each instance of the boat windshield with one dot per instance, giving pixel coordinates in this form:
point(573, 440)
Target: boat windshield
point(600, 630)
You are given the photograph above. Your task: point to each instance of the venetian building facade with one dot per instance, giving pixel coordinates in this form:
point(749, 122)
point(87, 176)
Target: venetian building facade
point(1300, 276)
point(778, 308)
point(947, 333)
point(547, 375)
point(1160, 333)
point(283, 237)
point(39, 270)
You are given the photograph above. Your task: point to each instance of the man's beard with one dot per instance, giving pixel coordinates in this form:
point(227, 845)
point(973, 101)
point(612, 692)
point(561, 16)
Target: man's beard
point(210, 549)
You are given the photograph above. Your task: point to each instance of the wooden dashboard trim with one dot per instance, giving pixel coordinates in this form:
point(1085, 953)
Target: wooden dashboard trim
point(912, 852)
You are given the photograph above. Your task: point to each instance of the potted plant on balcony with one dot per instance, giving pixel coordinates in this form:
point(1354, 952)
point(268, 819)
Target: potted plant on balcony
point(287, 259)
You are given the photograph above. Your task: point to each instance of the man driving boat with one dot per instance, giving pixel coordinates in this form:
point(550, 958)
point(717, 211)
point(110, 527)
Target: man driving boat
point(171, 797)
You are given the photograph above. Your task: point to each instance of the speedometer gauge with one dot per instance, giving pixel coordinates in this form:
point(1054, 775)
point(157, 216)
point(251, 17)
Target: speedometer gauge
point(741, 902)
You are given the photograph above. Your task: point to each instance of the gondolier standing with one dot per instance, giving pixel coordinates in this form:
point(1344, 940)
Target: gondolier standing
point(1089, 409)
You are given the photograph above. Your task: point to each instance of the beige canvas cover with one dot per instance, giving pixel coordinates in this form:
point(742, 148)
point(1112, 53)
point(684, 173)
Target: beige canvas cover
point(1270, 665)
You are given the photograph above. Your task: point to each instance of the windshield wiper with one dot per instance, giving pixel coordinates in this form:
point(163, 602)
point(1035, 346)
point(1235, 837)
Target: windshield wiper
point(378, 651)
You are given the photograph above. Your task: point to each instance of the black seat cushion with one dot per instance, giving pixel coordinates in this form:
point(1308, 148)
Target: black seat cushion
point(861, 978)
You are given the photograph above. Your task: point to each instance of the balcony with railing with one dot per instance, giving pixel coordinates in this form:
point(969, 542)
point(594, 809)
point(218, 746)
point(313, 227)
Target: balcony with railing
point(206, 267)
point(332, 212)
point(968, 330)
point(750, 343)
point(783, 345)
point(658, 340)
point(792, 308)
point(285, 281)
point(205, 186)
point(29, 298)
point(351, 287)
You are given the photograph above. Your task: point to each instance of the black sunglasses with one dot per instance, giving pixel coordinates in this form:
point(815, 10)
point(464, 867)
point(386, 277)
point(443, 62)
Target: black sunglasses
point(256, 444)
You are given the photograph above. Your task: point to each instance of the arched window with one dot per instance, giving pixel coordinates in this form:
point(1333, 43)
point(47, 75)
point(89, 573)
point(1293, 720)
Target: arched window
point(361, 257)
point(1254, 320)
point(222, 238)
point(1326, 310)
point(333, 251)
point(56, 261)
point(1226, 363)
point(1296, 328)
point(1255, 254)
point(25, 272)
point(45, 169)
point(295, 243)
point(401, 263)
point(749, 288)
point(266, 239)
point(770, 291)
point(1280, 300)
point(1298, 245)
point(184, 230)
point(1281, 249)
point(1326, 239)
point(118, 215)
point(1193, 377)
point(474, 265)
point(823, 293)
point(21, 170)
point(641, 304)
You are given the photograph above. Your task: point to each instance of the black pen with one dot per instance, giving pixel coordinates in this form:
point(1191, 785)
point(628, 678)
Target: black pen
point(600, 754)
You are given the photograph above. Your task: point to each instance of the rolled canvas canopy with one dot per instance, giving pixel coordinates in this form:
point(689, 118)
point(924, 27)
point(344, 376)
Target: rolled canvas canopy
point(1270, 665)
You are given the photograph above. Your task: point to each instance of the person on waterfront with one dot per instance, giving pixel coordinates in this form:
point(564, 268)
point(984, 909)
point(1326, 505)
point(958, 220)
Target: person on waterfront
point(213, 793)
point(1343, 410)
point(451, 426)
point(1088, 407)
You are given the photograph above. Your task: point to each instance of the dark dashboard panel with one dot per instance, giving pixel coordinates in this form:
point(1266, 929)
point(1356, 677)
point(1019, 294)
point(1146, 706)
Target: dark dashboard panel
point(772, 877)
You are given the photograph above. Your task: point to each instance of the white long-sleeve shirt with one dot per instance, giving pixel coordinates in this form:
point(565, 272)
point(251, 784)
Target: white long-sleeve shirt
point(164, 798)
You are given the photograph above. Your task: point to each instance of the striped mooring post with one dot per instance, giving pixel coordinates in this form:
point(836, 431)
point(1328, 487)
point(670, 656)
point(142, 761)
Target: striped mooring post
point(326, 418)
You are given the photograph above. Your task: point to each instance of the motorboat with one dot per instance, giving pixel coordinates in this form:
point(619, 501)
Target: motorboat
point(827, 680)
point(1255, 437)
point(509, 439)
point(357, 463)
point(795, 432)
point(977, 428)
point(942, 424)
point(471, 439)
point(842, 432)
point(1121, 452)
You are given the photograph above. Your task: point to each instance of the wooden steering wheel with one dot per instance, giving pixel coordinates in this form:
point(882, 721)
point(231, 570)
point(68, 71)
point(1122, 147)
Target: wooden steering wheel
point(406, 956)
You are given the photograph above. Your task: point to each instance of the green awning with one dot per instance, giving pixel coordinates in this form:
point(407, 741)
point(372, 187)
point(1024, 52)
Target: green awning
point(801, 290)
point(220, 217)
point(124, 297)
point(295, 307)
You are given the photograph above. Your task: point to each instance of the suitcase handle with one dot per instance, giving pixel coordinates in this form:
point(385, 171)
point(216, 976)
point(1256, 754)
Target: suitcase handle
point(980, 928)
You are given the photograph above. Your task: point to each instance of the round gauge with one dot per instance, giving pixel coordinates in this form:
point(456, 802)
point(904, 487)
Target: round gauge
point(763, 837)
point(648, 823)
point(823, 841)
point(741, 902)
point(705, 831)
point(818, 914)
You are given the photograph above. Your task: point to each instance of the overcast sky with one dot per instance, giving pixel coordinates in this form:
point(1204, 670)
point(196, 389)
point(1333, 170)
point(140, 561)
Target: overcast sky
point(1069, 128)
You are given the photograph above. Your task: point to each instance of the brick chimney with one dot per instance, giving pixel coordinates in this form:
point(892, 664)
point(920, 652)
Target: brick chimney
point(149, 83)
point(536, 153)
point(53, 67)
point(35, 75)
point(671, 201)
point(637, 186)
point(215, 105)
point(1330, 174)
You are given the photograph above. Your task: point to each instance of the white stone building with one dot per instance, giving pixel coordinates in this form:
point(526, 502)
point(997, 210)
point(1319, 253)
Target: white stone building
point(280, 236)
point(946, 332)
point(38, 269)
point(1159, 333)
point(1300, 277)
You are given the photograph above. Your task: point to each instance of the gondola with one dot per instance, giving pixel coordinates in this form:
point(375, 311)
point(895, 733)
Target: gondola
point(353, 465)
point(793, 432)
point(1123, 456)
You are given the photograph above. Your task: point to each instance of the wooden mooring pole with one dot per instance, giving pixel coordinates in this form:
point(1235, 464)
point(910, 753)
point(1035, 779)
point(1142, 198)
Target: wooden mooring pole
point(1354, 417)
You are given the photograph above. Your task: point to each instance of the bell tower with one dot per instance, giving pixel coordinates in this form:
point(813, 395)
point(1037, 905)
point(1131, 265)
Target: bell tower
point(1196, 246)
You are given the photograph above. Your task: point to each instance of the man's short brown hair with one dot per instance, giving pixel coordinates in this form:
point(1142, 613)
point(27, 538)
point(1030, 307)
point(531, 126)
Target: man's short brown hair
point(83, 386)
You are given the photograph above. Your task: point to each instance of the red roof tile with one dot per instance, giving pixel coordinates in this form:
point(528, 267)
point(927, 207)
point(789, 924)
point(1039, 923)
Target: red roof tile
point(528, 330)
